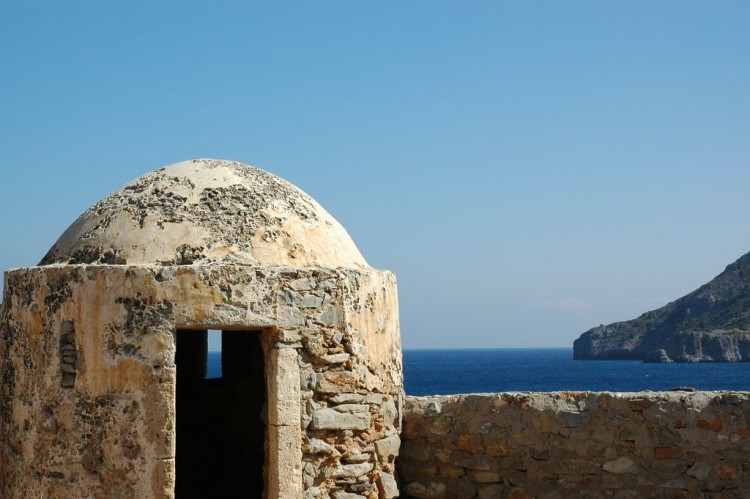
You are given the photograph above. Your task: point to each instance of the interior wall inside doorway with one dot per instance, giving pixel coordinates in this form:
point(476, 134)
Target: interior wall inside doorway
point(221, 422)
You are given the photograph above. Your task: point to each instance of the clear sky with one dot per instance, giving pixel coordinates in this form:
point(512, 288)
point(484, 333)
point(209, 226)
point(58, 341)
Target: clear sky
point(528, 169)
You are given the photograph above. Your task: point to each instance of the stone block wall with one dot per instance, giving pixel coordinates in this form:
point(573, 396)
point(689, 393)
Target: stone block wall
point(576, 444)
point(88, 376)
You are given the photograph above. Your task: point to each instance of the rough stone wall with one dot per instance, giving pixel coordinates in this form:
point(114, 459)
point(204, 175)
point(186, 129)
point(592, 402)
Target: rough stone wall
point(577, 444)
point(87, 376)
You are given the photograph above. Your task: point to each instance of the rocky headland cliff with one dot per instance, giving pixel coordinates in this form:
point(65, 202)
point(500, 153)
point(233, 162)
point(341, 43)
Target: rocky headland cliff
point(711, 324)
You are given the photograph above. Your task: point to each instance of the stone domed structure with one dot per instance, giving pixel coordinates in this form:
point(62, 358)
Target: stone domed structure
point(207, 211)
point(103, 364)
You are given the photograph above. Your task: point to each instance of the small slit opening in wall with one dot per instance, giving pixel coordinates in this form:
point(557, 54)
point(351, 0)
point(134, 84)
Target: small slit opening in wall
point(214, 355)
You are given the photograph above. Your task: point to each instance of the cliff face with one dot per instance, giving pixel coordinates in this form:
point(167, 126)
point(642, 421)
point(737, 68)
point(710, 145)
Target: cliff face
point(711, 324)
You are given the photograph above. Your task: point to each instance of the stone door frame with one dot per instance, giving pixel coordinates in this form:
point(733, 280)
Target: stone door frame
point(283, 468)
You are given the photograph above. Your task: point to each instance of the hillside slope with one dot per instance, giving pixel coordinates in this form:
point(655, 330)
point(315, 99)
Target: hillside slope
point(711, 324)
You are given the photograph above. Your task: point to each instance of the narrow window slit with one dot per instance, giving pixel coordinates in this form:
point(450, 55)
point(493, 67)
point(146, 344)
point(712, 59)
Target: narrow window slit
point(214, 355)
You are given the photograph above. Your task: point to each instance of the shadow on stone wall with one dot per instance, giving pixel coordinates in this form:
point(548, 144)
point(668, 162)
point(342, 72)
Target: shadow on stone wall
point(576, 444)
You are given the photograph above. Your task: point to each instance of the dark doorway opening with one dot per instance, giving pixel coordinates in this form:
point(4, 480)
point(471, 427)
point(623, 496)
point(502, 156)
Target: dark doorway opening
point(220, 421)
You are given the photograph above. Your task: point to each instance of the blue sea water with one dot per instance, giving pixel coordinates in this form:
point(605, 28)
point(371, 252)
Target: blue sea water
point(445, 372)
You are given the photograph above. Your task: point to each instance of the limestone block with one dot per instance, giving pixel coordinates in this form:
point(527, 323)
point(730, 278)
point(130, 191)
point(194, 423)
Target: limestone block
point(361, 487)
point(317, 446)
point(331, 419)
point(285, 463)
point(291, 297)
point(389, 412)
point(418, 470)
point(357, 458)
point(304, 284)
point(352, 470)
point(680, 483)
point(336, 358)
point(620, 465)
point(374, 398)
point(485, 476)
point(291, 316)
point(700, 470)
point(314, 343)
point(312, 493)
point(466, 489)
point(448, 470)
point(352, 408)
point(312, 301)
point(289, 335)
point(573, 419)
point(347, 398)
point(387, 486)
point(431, 490)
point(438, 427)
point(332, 316)
point(285, 401)
point(471, 461)
point(388, 447)
point(432, 408)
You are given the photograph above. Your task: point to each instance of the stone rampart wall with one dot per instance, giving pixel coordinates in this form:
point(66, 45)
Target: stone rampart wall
point(576, 444)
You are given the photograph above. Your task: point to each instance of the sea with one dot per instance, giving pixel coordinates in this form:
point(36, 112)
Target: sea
point(447, 372)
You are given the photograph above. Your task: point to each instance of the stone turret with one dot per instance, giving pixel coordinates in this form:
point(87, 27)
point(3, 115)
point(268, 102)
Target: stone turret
point(103, 387)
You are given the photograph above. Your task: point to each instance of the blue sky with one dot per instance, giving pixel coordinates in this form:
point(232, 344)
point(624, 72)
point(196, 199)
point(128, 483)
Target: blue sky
point(528, 169)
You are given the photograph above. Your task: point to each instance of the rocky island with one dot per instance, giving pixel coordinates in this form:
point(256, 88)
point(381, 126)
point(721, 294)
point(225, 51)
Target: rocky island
point(711, 324)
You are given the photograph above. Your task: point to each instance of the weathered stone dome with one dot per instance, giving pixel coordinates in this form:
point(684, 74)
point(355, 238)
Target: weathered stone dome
point(207, 210)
